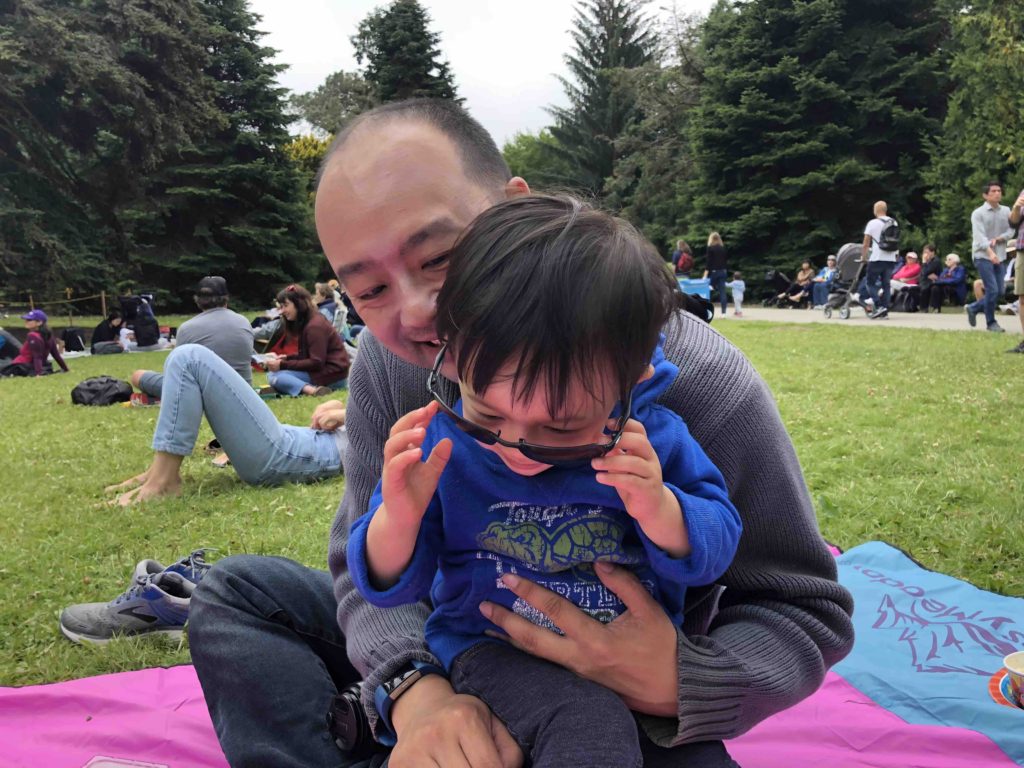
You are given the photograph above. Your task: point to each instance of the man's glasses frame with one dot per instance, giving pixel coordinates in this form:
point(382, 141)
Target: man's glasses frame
point(556, 456)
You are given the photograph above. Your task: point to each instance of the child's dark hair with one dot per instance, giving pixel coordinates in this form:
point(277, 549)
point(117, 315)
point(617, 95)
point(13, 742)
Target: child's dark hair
point(559, 288)
point(737, 275)
point(303, 302)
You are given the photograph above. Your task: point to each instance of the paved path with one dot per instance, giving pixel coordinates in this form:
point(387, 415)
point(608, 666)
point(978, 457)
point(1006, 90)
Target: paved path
point(951, 319)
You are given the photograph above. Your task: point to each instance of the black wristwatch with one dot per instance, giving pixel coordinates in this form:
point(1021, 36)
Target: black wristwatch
point(392, 690)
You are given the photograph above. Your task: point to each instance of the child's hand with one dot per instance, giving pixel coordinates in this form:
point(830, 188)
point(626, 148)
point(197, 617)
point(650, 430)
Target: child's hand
point(634, 470)
point(408, 484)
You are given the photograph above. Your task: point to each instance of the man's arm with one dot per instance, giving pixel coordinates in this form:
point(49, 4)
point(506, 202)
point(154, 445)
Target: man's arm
point(979, 240)
point(865, 247)
point(783, 619)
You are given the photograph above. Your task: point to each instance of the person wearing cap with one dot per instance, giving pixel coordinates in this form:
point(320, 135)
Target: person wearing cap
point(226, 333)
point(907, 275)
point(822, 282)
point(38, 345)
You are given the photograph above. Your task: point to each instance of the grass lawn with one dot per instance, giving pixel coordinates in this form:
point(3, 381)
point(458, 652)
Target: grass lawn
point(910, 436)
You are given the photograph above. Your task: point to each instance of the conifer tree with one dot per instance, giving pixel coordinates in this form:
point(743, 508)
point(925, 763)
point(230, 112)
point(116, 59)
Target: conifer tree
point(400, 54)
point(608, 35)
point(810, 112)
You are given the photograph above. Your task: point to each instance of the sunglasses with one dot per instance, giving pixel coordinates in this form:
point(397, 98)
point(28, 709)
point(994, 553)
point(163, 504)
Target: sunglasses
point(557, 456)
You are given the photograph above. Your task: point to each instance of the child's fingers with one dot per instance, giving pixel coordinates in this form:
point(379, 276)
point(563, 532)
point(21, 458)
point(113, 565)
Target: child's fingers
point(438, 459)
point(418, 418)
point(623, 483)
point(402, 441)
point(627, 464)
point(397, 467)
point(635, 444)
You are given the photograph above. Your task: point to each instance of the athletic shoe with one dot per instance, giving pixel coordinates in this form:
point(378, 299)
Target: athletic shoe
point(159, 605)
point(142, 400)
point(972, 315)
point(1019, 349)
point(995, 328)
point(193, 567)
point(322, 392)
point(880, 314)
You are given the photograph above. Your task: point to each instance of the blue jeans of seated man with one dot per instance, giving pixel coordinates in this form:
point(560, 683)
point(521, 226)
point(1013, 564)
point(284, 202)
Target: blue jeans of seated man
point(262, 450)
point(879, 276)
point(819, 293)
point(265, 642)
point(292, 382)
point(993, 277)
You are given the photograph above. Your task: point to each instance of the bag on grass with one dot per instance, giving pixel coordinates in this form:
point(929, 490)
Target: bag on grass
point(73, 341)
point(101, 390)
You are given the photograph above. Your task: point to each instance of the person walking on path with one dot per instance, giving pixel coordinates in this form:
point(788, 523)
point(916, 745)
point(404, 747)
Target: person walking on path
point(990, 231)
point(717, 258)
point(881, 238)
point(1017, 220)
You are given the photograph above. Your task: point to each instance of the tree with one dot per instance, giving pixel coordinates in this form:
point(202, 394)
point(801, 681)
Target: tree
point(535, 157)
point(401, 54)
point(982, 138)
point(609, 35)
point(235, 204)
point(342, 96)
point(809, 112)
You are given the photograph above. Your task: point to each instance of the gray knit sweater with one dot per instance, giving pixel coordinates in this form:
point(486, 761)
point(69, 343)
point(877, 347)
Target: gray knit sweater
point(781, 620)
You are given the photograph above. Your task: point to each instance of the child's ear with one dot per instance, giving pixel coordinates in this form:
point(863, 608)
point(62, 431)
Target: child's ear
point(648, 372)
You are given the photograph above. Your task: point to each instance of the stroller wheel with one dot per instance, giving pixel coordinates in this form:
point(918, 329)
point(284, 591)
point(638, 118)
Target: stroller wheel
point(828, 312)
point(844, 313)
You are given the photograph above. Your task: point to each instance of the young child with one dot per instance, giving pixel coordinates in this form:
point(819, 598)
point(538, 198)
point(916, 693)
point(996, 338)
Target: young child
point(557, 456)
point(738, 287)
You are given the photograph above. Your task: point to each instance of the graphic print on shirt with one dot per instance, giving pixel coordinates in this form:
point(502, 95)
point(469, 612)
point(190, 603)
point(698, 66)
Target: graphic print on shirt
point(560, 539)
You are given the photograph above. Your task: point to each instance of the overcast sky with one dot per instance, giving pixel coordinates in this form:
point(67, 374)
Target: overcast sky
point(504, 53)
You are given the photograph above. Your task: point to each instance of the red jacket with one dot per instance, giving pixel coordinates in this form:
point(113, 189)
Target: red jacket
point(321, 353)
point(35, 351)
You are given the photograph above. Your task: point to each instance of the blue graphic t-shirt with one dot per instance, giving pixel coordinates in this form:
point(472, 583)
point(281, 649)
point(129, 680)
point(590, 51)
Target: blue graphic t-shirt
point(485, 521)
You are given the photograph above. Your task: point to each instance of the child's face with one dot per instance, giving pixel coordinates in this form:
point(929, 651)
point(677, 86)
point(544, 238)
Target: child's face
point(496, 409)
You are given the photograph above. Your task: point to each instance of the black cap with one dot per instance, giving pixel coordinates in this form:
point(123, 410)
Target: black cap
point(212, 286)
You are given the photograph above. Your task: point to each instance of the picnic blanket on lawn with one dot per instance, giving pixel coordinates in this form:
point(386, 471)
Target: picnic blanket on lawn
point(914, 692)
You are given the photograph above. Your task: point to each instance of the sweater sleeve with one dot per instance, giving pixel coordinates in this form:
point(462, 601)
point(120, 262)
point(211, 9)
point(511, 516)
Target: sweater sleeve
point(712, 522)
point(782, 619)
point(316, 353)
point(414, 583)
point(379, 641)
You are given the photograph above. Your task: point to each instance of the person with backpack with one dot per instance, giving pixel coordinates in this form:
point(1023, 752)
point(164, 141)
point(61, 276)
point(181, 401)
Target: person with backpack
point(39, 344)
point(882, 239)
point(682, 258)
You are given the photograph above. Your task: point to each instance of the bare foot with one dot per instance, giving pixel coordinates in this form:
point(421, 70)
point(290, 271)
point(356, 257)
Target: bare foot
point(131, 482)
point(145, 492)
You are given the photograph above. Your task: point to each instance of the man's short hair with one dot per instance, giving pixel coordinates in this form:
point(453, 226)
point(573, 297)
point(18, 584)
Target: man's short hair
point(929, 247)
point(563, 291)
point(482, 161)
point(988, 187)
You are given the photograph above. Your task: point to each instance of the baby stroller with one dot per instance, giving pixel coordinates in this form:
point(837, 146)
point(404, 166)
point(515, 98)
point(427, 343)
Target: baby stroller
point(775, 282)
point(850, 270)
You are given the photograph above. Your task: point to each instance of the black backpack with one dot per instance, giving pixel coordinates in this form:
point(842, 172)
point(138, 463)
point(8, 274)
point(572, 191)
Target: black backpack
point(101, 390)
point(889, 240)
point(72, 338)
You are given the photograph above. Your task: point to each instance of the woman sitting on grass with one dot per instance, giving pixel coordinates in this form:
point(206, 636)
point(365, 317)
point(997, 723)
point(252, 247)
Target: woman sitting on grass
point(321, 363)
point(39, 344)
point(262, 451)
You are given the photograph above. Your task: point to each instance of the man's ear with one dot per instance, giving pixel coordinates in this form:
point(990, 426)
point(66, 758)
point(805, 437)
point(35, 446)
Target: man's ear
point(516, 187)
point(648, 372)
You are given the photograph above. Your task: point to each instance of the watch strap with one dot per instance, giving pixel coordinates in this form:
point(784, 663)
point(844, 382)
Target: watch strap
point(387, 693)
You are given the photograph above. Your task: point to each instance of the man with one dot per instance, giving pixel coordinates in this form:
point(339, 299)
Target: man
point(397, 187)
point(990, 230)
point(930, 270)
point(226, 333)
point(1016, 216)
point(878, 240)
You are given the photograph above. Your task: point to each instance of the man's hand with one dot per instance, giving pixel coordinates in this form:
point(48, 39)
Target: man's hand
point(634, 655)
point(438, 728)
point(328, 416)
point(633, 469)
point(407, 483)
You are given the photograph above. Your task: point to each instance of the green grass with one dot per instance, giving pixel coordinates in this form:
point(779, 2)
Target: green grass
point(910, 436)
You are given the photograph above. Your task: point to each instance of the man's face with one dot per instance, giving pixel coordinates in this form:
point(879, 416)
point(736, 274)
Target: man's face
point(994, 195)
point(389, 208)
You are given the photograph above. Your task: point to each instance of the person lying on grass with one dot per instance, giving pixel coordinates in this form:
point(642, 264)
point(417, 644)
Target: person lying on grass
point(557, 458)
point(197, 383)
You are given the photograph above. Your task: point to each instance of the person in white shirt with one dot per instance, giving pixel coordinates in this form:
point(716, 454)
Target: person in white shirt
point(881, 261)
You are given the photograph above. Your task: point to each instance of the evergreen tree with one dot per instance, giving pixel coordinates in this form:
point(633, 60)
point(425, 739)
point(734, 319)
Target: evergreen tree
point(983, 135)
point(608, 35)
point(401, 54)
point(342, 96)
point(810, 112)
point(535, 157)
point(235, 204)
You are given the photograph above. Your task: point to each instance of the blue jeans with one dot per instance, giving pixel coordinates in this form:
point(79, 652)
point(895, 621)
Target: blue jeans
point(879, 276)
point(718, 281)
point(292, 382)
point(262, 450)
point(819, 293)
point(993, 276)
point(269, 654)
